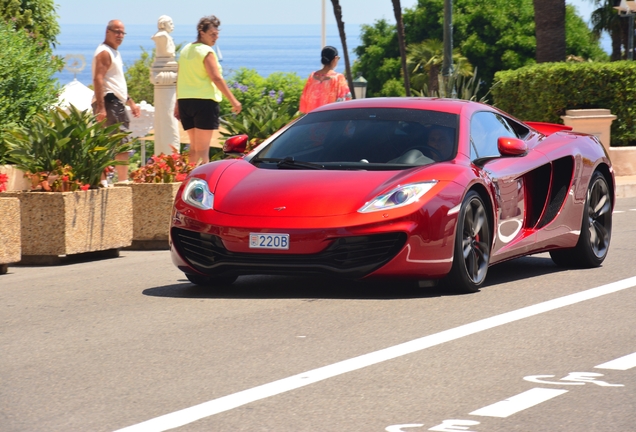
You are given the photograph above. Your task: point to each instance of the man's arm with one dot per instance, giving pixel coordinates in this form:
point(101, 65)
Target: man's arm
point(102, 64)
point(134, 108)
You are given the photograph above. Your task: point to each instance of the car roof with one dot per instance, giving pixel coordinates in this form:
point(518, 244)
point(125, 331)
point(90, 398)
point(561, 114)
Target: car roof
point(453, 106)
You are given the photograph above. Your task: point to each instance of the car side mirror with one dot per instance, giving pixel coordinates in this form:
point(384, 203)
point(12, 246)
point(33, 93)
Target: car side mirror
point(236, 144)
point(511, 146)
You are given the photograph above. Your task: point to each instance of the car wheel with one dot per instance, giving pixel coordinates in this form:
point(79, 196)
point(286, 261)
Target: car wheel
point(211, 281)
point(472, 246)
point(596, 229)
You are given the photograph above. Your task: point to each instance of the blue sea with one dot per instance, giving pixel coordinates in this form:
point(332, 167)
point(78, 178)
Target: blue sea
point(264, 48)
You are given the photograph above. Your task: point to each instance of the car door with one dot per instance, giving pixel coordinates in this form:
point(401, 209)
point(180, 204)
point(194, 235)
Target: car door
point(508, 177)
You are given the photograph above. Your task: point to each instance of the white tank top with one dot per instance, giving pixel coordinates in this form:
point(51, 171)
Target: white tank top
point(114, 80)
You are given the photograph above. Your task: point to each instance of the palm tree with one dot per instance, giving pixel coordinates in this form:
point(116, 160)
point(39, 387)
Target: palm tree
point(337, 11)
point(397, 10)
point(605, 18)
point(425, 60)
point(549, 22)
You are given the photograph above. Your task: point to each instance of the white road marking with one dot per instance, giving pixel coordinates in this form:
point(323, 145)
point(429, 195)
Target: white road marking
point(398, 428)
point(235, 400)
point(518, 403)
point(622, 363)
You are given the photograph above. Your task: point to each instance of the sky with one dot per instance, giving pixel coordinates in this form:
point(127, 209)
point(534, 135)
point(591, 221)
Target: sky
point(235, 12)
point(188, 12)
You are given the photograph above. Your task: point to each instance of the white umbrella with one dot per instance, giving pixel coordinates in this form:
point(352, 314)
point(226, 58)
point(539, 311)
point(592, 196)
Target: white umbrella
point(77, 94)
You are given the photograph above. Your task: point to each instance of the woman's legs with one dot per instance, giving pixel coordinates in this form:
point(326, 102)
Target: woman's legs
point(200, 145)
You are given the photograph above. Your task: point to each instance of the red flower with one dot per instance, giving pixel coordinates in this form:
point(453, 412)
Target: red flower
point(85, 187)
point(4, 179)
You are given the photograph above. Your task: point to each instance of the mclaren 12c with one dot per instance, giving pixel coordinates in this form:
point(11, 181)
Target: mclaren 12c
point(405, 188)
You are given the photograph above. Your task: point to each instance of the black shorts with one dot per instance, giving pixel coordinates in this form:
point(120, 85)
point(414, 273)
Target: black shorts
point(199, 113)
point(115, 113)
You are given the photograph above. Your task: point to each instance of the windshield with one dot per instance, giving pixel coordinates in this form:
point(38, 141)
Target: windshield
point(369, 138)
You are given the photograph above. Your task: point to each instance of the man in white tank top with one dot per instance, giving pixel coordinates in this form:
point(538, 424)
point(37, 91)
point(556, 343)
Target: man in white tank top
point(109, 83)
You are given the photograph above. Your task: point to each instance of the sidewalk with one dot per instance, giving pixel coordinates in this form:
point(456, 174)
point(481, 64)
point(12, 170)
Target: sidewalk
point(625, 186)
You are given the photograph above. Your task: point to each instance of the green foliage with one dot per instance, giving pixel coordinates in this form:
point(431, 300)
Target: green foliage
point(138, 78)
point(26, 78)
point(260, 120)
point(250, 88)
point(425, 60)
point(393, 87)
point(378, 57)
point(579, 41)
point(37, 18)
point(493, 35)
point(73, 138)
point(543, 92)
point(456, 86)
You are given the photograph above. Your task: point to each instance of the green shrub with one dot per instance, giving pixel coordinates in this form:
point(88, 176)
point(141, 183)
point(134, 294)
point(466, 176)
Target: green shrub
point(260, 120)
point(27, 85)
point(138, 78)
point(56, 138)
point(250, 88)
point(543, 92)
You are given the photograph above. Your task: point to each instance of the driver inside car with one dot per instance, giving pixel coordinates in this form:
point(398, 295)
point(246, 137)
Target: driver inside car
point(440, 143)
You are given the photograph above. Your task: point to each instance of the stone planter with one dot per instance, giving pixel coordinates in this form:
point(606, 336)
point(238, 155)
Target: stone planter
point(152, 208)
point(598, 122)
point(10, 242)
point(55, 224)
point(17, 181)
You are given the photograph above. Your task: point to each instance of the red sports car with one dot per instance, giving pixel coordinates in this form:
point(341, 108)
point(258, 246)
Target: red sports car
point(409, 188)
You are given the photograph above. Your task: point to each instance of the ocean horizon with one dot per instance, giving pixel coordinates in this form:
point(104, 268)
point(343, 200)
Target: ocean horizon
point(264, 48)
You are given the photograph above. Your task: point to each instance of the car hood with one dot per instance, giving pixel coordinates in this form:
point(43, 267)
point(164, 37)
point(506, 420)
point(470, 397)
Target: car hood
point(245, 190)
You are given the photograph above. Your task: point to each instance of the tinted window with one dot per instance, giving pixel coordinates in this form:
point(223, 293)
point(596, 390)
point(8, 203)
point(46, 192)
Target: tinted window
point(373, 136)
point(485, 129)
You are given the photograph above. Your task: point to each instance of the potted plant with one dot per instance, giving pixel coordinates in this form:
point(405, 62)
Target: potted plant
point(154, 187)
point(67, 212)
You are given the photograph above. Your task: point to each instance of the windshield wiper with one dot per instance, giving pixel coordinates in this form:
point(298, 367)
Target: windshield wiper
point(289, 162)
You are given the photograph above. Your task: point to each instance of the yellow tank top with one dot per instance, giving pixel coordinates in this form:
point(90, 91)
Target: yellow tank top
point(193, 81)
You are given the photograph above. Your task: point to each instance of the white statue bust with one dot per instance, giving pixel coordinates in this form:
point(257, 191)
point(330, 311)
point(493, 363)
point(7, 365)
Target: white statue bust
point(164, 45)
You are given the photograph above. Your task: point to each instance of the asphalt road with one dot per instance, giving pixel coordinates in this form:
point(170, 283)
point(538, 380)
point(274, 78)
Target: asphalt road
point(128, 343)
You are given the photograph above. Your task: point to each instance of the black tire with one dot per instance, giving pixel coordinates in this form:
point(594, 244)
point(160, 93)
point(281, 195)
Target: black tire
point(596, 229)
point(473, 241)
point(207, 281)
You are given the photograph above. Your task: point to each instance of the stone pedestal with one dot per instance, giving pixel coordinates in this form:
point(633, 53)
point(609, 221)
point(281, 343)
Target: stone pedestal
point(597, 122)
point(163, 75)
point(10, 244)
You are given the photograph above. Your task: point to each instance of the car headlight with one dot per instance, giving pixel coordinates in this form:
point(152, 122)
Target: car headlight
point(197, 194)
point(398, 197)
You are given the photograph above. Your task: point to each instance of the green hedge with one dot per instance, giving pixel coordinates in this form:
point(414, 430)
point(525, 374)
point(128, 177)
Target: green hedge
point(543, 92)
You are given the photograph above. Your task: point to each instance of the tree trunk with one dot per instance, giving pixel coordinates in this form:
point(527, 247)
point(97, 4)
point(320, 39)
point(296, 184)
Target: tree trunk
point(617, 43)
point(337, 11)
point(549, 22)
point(433, 81)
point(397, 9)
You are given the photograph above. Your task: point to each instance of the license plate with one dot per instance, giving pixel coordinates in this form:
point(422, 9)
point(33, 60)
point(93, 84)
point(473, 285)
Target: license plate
point(269, 241)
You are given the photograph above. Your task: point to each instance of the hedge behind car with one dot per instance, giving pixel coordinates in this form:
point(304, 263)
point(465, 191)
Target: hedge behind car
point(544, 91)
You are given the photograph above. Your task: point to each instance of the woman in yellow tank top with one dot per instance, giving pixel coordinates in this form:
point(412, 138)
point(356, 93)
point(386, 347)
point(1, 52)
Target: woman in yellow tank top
point(200, 88)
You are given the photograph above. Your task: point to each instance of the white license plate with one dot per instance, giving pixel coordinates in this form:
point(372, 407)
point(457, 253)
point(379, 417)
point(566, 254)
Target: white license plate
point(269, 241)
